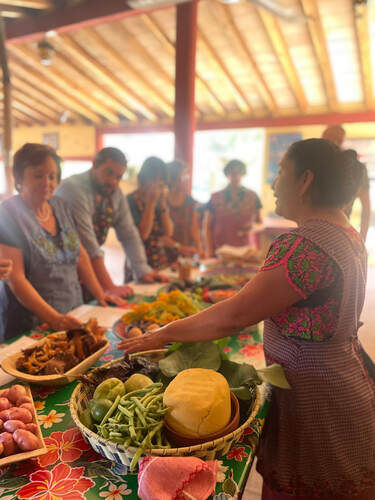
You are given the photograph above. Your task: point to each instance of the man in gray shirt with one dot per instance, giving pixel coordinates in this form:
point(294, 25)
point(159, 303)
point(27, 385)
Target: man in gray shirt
point(97, 203)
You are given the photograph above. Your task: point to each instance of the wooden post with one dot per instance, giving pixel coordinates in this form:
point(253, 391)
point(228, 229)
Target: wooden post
point(184, 120)
point(7, 132)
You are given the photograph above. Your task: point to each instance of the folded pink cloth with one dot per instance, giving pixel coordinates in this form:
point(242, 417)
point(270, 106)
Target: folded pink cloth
point(176, 478)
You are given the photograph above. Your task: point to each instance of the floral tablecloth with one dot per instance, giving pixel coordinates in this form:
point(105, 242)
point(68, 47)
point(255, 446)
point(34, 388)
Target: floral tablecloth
point(72, 470)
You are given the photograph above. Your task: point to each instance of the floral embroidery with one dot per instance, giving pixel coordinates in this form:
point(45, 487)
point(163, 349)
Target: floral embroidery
point(62, 483)
point(46, 421)
point(65, 446)
point(309, 270)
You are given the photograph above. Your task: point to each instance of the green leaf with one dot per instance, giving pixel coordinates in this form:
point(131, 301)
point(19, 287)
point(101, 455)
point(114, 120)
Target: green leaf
point(241, 378)
point(274, 375)
point(239, 374)
point(11, 483)
point(191, 355)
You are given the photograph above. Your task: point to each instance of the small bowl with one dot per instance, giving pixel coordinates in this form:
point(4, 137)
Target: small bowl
point(180, 440)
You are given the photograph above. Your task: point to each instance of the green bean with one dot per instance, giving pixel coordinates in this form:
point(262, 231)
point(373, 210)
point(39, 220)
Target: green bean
point(131, 428)
point(141, 417)
point(124, 411)
point(138, 404)
point(135, 459)
point(115, 434)
point(111, 410)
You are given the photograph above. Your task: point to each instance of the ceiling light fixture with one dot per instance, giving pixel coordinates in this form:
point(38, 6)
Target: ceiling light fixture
point(46, 52)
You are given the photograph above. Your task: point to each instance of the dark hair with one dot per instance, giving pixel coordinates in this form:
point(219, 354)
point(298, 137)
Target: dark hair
point(175, 169)
point(150, 170)
point(113, 154)
point(235, 164)
point(337, 174)
point(32, 155)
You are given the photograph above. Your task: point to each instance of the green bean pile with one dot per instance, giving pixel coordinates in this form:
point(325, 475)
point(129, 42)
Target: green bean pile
point(136, 419)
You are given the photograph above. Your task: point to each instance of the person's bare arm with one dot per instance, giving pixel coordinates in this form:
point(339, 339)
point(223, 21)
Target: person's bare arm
point(122, 291)
point(364, 196)
point(267, 294)
point(195, 233)
point(147, 220)
point(29, 297)
point(166, 220)
point(90, 280)
point(208, 222)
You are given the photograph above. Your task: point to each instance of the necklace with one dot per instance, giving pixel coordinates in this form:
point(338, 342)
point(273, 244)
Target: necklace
point(44, 218)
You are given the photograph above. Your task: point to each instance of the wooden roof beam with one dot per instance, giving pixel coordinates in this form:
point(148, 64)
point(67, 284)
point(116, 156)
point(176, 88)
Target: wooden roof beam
point(11, 12)
point(259, 80)
point(138, 48)
point(280, 47)
point(98, 40)
point(122, 91)
point(111, 103)
point(31, 58)
point(318, 39)
point(41, 99)
point(29, 4)
point(52, 91)
point(50, 115)
point(158, 32)
point(361, 23)
point(70, 19)
point(239, 95)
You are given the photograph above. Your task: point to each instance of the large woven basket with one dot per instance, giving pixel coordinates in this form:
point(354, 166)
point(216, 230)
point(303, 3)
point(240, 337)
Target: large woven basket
point(118, 453)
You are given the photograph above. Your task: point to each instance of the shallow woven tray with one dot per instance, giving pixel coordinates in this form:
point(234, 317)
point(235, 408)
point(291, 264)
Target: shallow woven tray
point(118, 453)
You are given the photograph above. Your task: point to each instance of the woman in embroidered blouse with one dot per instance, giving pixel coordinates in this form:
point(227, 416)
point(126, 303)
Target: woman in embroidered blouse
point(319, 437)
point(149, 208)
point(183, 210)
point(231, 212)
point(38, 234)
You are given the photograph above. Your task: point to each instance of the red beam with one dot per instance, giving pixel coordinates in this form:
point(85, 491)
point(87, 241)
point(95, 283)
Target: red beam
point(70, 19)
point(184, 119)
point(267, 122)
point(291, 121)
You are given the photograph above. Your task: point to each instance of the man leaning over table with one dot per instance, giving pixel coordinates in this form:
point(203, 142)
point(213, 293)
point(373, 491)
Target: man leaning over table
point(97, 203)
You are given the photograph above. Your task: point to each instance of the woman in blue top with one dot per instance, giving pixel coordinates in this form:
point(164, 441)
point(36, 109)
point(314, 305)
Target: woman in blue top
point(38, 234)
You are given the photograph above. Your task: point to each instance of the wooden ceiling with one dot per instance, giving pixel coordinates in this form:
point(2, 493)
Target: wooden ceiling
point(249, 64)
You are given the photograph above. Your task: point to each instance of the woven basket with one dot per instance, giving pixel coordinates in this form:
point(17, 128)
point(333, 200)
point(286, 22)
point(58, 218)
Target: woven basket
point(118, 453)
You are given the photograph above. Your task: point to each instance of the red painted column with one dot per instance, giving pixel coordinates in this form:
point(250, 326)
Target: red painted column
point(184, 121)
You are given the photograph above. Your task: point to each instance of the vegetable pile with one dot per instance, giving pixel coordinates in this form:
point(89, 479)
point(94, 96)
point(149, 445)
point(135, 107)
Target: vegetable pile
point(167, 308)
point(129, 413)
point(18, 431)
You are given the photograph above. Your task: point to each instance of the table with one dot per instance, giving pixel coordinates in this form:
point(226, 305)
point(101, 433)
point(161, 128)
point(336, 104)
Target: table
point(72, 470)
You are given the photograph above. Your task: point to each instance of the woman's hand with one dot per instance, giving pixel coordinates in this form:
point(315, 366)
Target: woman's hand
point(108, 298)
point(121, 291)
point(155, 339)
point(64, 322)
point(6, 266)
point(154, 277)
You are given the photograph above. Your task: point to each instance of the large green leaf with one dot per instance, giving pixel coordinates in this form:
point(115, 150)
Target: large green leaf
point(191, 355)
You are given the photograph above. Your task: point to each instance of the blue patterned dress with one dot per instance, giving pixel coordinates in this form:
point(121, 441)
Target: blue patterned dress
point(50, 262)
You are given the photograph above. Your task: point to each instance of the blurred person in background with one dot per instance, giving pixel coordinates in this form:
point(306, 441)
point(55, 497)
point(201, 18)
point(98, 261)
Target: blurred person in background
point(149, 208)
point(232, 212)
point(336, 134)
point(183, 210)
point(97, 204)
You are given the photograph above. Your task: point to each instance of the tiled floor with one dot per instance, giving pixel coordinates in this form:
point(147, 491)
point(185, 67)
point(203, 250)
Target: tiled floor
point(114, 260)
